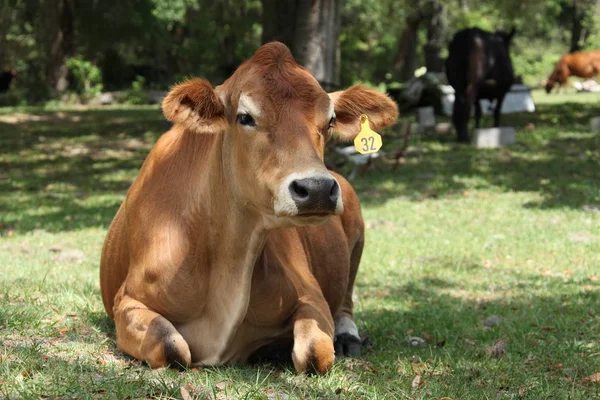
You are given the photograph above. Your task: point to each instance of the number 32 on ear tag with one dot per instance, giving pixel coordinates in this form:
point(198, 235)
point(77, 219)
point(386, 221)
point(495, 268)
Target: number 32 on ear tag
point(367, 141)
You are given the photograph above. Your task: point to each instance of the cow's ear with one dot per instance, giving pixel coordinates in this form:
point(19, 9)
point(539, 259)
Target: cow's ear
point(195, 106)
point(511, 34)
point(349, 104)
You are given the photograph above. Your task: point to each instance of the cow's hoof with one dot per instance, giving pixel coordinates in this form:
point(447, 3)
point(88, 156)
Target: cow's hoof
point(347, 345)
point(314, 356)
point(347, 341)
point(172, 352)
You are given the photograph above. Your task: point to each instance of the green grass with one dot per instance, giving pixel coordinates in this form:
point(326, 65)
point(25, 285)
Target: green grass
point(454, 236)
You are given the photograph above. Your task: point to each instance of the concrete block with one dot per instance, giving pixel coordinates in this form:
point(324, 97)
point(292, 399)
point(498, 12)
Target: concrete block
point(518, 99)
point(426, 117)
point(595, 124)
point(494, 137)
point(443, 128)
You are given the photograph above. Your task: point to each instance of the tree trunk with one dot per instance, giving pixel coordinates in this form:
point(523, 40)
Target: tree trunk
point(311, 29)
point(406, 58)
point(279, 21)
point(436, 29)
point(583, 10)
point(316, 39)
point(58, 34)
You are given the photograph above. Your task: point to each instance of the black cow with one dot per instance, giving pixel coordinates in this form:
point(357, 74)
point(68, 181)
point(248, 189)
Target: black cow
point(6, 78)
point(478, 67)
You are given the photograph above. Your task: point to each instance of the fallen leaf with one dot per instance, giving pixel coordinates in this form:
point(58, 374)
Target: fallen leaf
point(593, 278)
point(221, 385)
point(547, 328)
point(24, 374)
point(416, 382)
point(592, 378)
point(418, 368)
point(185, 395)
point(498, 349)
point(441, 343)
point(62, 331)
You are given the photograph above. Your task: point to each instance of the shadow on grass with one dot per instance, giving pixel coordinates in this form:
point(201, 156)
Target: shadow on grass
point(70, 170)
point(548, 330)
point(548, 326)
point(557, 158)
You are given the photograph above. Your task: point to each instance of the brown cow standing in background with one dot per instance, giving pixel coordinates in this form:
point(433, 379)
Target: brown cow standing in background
point(584, 64)
point(235, 235)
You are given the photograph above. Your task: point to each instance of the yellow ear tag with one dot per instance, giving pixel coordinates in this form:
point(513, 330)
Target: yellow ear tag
point(367, 141)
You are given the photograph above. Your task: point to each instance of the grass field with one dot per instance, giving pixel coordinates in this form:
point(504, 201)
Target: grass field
point(492, 257)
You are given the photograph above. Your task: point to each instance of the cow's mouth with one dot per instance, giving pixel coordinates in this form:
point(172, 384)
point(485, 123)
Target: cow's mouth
point(316, 214)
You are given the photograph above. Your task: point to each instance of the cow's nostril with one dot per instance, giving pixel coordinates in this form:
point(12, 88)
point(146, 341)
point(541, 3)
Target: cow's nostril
point(335, 191)
point(299, 190)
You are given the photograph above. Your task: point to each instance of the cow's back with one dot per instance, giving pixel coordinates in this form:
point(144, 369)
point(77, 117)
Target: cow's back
point(476, 57)
point(582, 63)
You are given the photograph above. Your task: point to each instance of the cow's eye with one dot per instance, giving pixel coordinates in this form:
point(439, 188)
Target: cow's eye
point(332, 122)
point(246, 120)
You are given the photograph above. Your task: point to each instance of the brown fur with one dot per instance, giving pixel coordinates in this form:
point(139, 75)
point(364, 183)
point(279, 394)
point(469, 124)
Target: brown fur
point(196, 268)
point(584, 64)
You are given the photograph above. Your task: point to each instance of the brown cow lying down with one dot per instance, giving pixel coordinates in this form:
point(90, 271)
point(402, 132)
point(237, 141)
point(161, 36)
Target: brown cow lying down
point(235, 235)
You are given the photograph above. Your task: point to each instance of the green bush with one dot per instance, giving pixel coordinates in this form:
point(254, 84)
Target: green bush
point(534, 59)
point(136, 94)
point(87, 78)
point(13, 98)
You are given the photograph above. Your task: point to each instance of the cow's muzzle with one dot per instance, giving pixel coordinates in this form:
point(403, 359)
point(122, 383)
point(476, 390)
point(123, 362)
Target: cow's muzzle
point(314, 196)
point(305, 195)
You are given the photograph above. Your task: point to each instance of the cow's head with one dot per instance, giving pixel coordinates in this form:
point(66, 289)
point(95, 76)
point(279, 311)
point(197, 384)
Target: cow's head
point(549, 84)
point(275, 120)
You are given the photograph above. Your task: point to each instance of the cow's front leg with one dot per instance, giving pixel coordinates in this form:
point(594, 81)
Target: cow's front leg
point(313, 336)
point(148, 336)
point(347, 339)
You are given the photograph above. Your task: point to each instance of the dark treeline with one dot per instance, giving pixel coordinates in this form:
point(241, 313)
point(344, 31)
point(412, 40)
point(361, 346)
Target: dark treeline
point(56, 48)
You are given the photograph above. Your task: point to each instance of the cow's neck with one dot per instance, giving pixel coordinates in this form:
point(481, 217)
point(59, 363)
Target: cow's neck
point(235, 237)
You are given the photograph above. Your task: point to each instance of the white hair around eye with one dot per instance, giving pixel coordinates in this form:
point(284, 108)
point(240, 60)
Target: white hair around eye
point(331, 113)
point(247, 105)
